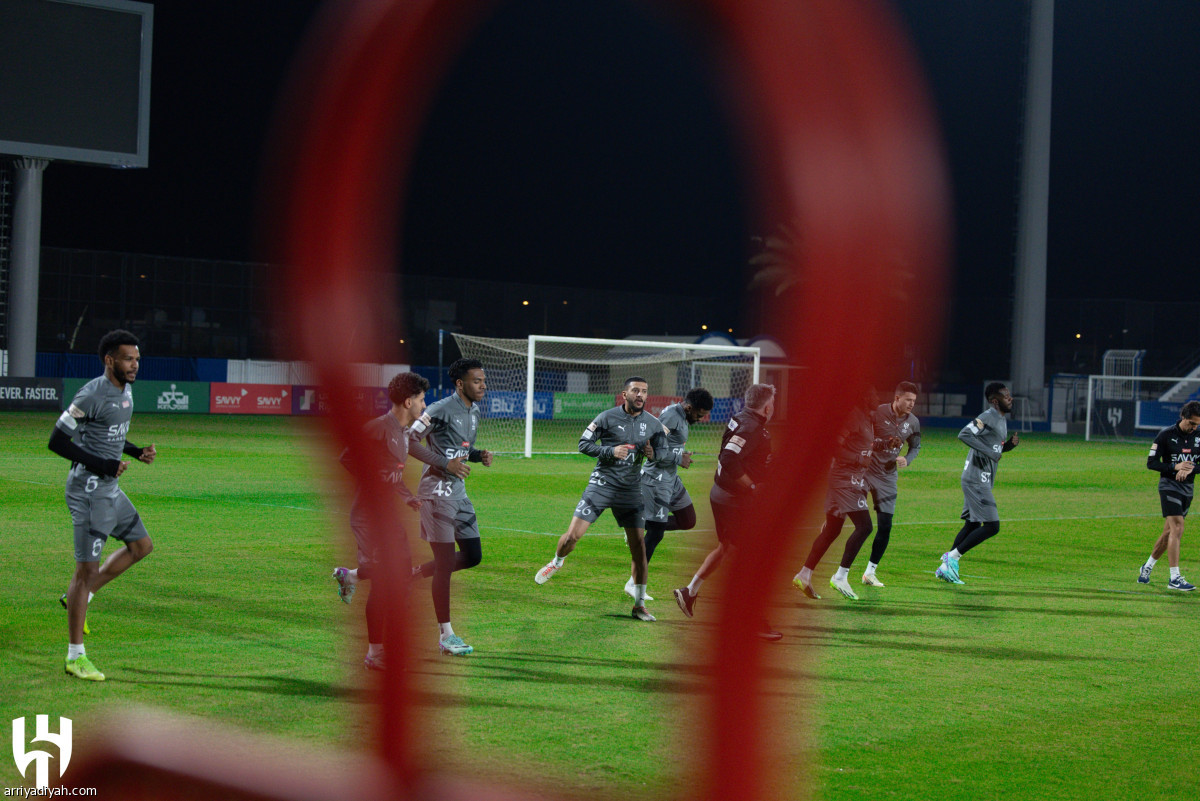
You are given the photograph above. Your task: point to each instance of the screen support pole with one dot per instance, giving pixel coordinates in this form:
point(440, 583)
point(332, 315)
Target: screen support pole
point(25, 266)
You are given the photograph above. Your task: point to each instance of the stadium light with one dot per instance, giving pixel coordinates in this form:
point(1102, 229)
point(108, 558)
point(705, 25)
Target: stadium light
point(524, 303)
point(1079, 336)
point(704, 328)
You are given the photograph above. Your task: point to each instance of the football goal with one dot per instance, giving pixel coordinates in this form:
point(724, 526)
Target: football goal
point(1128, 407)
point(542, 391)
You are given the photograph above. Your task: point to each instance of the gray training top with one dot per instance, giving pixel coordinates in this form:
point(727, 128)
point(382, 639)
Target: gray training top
point(451, 427)
point(614, 427)
point(98, 421)
point(674, 420)
point(985, 436)
point(385, 447)
point(906, 429)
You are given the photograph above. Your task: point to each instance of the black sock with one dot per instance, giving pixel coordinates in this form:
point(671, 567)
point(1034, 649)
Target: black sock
point(966, 530)
point(883, 533)
point(829, 533)
point(862, 530)
point(374, 615)
point(977, 536)
point(654, 535)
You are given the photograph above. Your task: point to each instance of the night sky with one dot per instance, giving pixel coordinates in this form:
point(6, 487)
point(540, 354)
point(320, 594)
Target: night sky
point(572, 140)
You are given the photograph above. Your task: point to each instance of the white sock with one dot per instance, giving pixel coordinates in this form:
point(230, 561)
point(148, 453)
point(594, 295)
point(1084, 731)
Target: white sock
point(557, 561)
point(639, 594)
point(805, 575)
point(871, 568)
point(446, 630)
point(841, 574)
point(1151, 562)
point(374, 649)
point(955, 554)
point(75, 651)
point(694, 587)
point(1174, 572)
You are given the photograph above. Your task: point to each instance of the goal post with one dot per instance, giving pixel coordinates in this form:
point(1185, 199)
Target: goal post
point(1130, 407)
point(542, 390)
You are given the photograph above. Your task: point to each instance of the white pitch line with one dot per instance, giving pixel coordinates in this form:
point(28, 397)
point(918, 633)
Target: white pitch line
point(143, 493)
point(1027, 519)
point(946, 521)
point(590, 533)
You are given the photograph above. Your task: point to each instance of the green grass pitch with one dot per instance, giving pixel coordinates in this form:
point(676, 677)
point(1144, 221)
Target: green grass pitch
point(1050, 674)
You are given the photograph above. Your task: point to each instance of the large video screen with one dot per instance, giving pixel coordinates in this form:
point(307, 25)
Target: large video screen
point(75, 80)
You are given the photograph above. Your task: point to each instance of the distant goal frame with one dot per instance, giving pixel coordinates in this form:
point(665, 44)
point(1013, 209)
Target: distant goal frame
point(753, 351)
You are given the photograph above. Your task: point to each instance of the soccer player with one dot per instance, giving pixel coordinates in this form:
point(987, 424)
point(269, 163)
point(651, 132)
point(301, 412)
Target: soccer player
point(987, 437)
point(668, 505)
point(742, 467)
point(381, 455)
point(891, 420)
point(846, 497)
point(1173, 456)
point(619, 439)
point(92, 433)
point(447, 514)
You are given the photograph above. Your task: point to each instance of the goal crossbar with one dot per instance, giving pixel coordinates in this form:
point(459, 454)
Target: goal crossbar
point(661, 348)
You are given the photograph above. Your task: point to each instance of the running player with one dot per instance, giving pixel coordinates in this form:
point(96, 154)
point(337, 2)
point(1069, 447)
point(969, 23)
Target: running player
point(668, 505)
point(846, 497)
point(92, 434)
point(447, 514)
point(378, 465)
point(891, 420)
point(1173, 456)
point(742, 467)
point(619, 439)
point(987, 437)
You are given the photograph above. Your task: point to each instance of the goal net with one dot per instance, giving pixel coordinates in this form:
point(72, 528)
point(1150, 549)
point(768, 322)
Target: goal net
point(1129, 407)
point(542, 391)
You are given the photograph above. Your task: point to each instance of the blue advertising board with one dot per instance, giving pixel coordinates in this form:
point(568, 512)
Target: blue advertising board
point(512, 405)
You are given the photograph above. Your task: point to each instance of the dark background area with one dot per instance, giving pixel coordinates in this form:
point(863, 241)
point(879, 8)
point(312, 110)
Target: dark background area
point(582, 146)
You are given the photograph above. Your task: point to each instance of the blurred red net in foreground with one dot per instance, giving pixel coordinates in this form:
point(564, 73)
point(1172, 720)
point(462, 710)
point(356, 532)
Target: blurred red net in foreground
point(842, 144)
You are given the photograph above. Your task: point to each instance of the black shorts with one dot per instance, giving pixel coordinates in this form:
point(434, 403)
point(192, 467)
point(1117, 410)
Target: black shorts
point(728, 520)
point(1174, 503)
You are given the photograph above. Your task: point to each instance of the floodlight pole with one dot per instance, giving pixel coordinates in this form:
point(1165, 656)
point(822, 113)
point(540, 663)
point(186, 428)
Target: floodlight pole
point(1029, 302)
point(25, 266)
